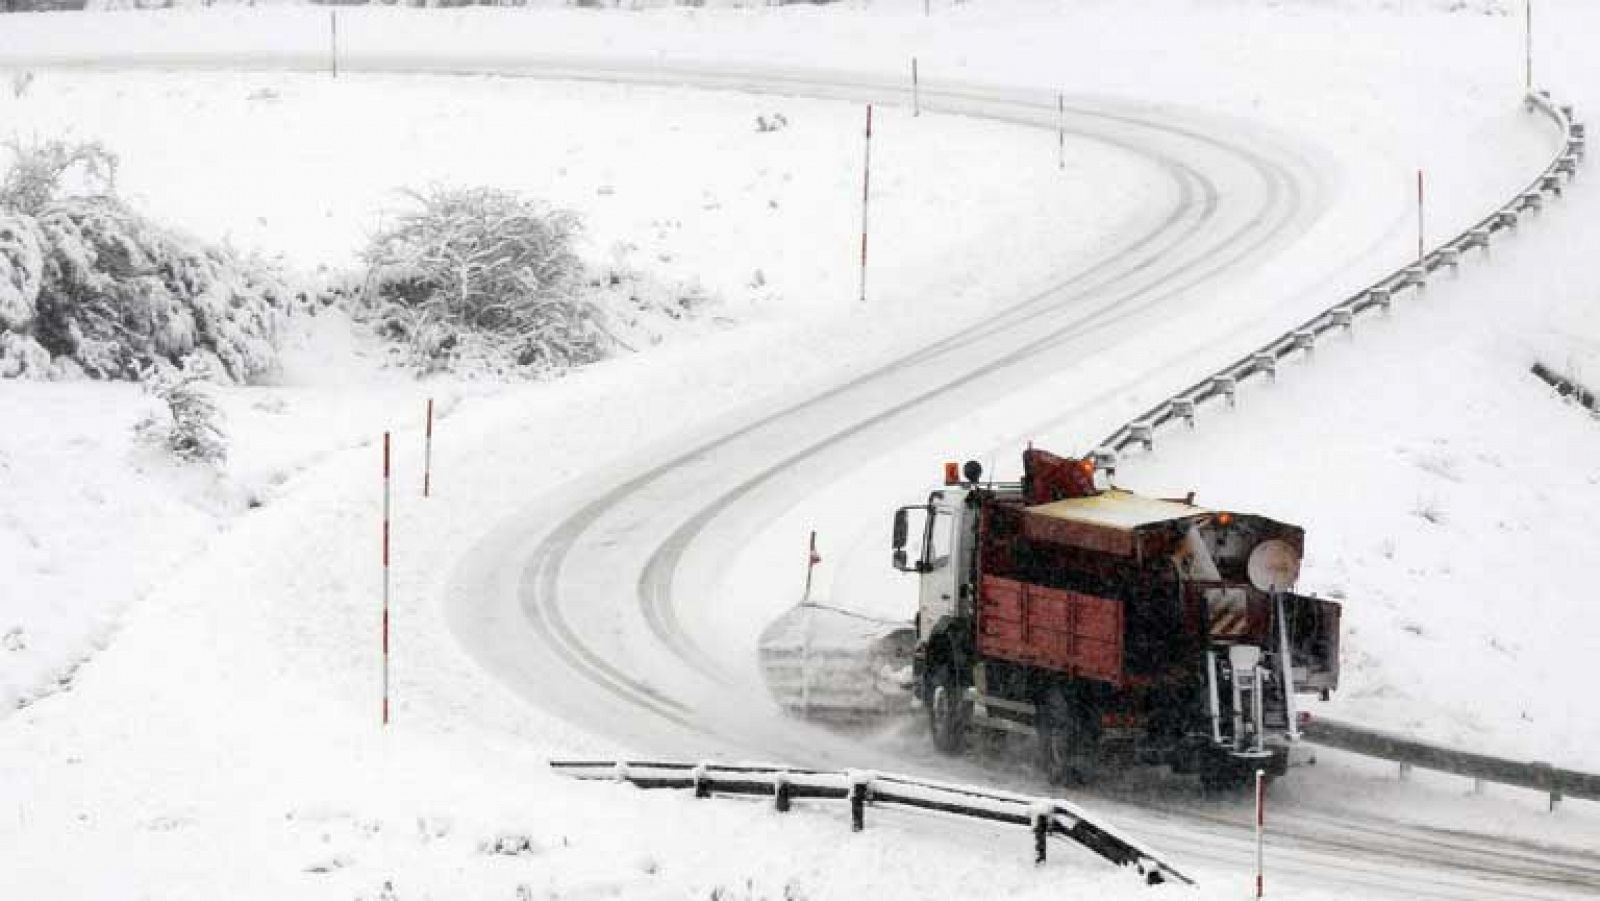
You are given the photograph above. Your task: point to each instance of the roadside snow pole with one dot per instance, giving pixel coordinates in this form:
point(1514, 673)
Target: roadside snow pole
point(1061, 132)
point(1527, 50)
point(386, 578)
point(333, 40)
point(1261, 822)
point(916, 90)
point(427, 453)
point(812, 559)
point(866, 192)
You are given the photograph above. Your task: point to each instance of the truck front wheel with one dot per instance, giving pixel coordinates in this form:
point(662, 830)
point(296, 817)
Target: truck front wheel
point(948, 711)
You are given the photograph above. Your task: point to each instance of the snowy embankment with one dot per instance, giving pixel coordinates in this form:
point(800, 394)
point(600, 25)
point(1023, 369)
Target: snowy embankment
point(225, 741)
point(756, 224)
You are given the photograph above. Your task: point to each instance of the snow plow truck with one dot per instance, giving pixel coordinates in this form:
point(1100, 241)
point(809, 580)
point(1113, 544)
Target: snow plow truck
point(1115, 628)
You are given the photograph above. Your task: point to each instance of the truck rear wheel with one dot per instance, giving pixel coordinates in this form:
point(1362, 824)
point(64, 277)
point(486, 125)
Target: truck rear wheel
point(1066, 742)
point(948, 711)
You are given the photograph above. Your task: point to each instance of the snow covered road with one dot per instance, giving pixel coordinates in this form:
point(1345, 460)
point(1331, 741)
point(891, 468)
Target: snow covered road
point(623, 601)
point(608, 601)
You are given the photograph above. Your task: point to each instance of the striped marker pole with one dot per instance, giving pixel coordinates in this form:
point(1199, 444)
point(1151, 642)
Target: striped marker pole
point(812, 559)
point(866, 193)
point(1061, 131)
point(386, 578)
point(427, 453)
point(333, 40)
point(1261, 823)
point(1527, 19)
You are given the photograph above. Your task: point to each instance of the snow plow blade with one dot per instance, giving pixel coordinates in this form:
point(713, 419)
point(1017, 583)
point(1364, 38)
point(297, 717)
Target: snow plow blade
point(837, 667)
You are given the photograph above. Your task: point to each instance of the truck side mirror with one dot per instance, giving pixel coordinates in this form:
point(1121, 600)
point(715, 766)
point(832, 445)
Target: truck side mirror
point(898, 543)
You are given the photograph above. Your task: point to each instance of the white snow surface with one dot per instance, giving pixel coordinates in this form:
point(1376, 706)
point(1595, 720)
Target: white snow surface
point(221, 738)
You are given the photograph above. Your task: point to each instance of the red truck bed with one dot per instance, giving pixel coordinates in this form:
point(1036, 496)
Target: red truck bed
point(1074, 633)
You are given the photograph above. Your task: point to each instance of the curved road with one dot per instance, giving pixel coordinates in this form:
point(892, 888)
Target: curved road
point(596, 601)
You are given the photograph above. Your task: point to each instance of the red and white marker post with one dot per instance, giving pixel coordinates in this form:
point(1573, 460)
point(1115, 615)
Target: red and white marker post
point(1527, 48)
point(866, 194)
point(386, 481)
point(1061, 131)
point(427, 453)
point(1261, 824)
point(812, 559)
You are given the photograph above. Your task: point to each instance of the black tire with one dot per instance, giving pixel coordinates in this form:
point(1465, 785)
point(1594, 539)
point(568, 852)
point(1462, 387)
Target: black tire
point(1067, 742)
point(948, 711)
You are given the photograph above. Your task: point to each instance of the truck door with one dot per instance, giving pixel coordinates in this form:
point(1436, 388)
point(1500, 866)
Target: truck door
point(945, 545)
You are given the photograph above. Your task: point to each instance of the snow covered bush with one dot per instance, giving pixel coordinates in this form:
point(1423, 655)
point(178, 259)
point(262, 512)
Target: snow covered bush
point(49, 170)
point(483, 272)
point(93, 288)
point(191, 429)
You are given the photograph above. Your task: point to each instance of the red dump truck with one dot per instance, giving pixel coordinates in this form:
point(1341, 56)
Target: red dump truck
point(1116, 628)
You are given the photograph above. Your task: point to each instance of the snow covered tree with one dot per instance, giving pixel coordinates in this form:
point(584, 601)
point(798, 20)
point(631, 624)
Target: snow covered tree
point(97, 289)
point(481, 268)
point(192, 429)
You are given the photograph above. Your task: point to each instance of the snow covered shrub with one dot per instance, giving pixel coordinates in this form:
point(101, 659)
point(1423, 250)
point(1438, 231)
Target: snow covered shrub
point(192, 429)
point(483, 272)
point(50, 170)
point(105, 292)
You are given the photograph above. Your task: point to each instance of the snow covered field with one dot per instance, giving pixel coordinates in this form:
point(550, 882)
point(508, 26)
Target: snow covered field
point(223, 740)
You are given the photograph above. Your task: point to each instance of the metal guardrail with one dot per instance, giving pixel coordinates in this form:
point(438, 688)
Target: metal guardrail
point(1044, 817)
point(1264, 360)
point(1557, 783)
point(1568, 388)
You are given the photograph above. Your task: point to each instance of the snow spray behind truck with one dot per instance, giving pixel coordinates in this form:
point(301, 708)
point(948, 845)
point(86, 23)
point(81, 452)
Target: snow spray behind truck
point(1113, 627)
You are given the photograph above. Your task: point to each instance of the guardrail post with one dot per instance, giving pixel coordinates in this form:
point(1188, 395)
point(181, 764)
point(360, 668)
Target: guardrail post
point(1229, 386)
point(780, 792)
point(1105, 460)
point(1544, 775)
point(1383, 297)
point(1449, 256)
point(1477, 786)
point(1405, 772)
point(1507, 219)
point(1551, 183)
point(1306, 340)
point(1144, 433)
point(1415, 277)
point(1039, 818)
point(860, 785)
point(702, 785)
point(1532, 200)
point(1344, 318)
point(1265, 362)
point(1478, 237)
point(1183, 408)
point(621, 771)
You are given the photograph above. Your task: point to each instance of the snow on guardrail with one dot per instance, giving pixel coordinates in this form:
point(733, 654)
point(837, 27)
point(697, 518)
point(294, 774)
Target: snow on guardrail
point(1044, 817)
point(1563, 167)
